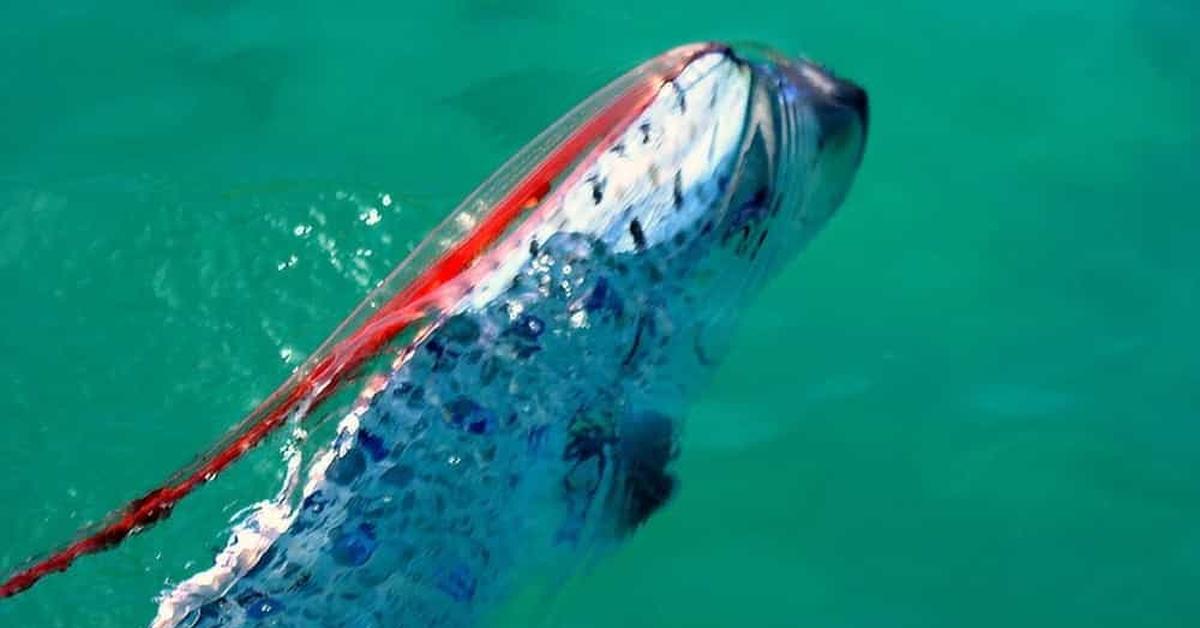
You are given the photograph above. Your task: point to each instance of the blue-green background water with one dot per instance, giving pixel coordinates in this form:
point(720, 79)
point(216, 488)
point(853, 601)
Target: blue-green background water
point(975, 401)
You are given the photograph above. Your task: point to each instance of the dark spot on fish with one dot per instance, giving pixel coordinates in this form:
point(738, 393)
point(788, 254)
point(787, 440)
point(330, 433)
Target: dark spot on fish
point(639, 236)
point(263, 608)
point(302, 581)
point(210, 614)
point(372, 444)
point(466, 414)
point(642, 322)
point(679, 94)
point(644, 128)
point(257, 605)
point(444, 357)
point(437, 348)
point(523, 334)
point(355, 547)
point(677, 190)
point(482, 423)
point(654, 272)
point(535, 439)
point(488, 372)
point(461, 329)
point(618, 149)
point(400, 475)
point(533, 247)
point(597, 190)
point(458, 582)
point(314, 503)
point(487, 454)
point(347, 467)
point(415, 395)
point(528, 326)
point(603, 298)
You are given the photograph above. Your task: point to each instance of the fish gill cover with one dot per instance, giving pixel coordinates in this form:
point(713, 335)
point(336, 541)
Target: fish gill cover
point(521, 378)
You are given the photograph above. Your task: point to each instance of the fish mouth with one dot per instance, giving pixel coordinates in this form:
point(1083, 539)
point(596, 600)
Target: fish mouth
point(837, 96)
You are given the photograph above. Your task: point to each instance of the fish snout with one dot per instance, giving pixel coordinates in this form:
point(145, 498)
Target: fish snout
point(841, 106)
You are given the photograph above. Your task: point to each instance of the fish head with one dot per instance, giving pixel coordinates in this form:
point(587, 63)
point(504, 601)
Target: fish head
point(745, 155)
point(741, 156)
point(738, 160)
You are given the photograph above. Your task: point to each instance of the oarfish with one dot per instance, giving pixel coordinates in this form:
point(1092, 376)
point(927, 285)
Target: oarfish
point(523, 377)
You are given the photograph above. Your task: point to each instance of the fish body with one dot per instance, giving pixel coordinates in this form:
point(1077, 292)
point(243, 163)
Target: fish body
point(532, 416)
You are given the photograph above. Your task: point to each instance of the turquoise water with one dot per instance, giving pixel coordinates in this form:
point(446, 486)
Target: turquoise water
point(974, 401)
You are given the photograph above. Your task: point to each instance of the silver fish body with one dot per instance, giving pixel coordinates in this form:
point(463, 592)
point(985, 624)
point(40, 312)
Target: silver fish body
point(535, 420)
